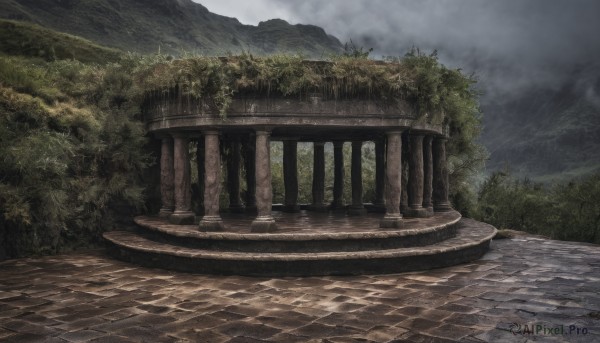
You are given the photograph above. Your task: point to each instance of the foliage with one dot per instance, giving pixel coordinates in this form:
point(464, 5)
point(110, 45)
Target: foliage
point(72, 152)
point(435, 91)
point(566, 211)
point(23, 39)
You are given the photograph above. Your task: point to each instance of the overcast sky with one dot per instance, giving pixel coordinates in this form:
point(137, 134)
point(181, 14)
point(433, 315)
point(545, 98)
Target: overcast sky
point(509, 43)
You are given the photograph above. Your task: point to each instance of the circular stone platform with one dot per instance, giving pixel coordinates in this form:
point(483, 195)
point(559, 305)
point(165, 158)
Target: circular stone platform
point(305, 245)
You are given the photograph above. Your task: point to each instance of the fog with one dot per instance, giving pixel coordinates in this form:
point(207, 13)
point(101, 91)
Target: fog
point(509, 44)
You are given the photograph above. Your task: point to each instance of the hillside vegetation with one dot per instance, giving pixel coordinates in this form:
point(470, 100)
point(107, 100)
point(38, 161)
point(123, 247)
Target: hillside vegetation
point(169, 26)
point(23, 39)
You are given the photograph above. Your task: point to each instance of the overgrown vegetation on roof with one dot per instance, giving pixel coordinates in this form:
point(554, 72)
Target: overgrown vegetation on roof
point(419, 79)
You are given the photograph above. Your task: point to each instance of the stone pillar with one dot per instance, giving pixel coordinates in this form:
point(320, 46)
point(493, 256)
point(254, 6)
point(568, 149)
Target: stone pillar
point(427, 173)
point(357, 207)
point(415, 178)
point(211, 221)
point(338, 176)
point(233, 178)
point(405, 154)
point(250, 164)
point(380, 172)
point(264, 221)
point(199, 210)
point(290, 175)
point(393, 181)
point(440, 176)
point(318, 182)
point(166, 178)
point(182, 182)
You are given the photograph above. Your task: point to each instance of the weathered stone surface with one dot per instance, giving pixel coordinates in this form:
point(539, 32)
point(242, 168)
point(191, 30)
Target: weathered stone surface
point(357, 208)
point(416, 178)
point(441, 305)
point(290, 175)
point(211, 221)
point(393, 180)
point(289, 114)
point(166, 178)
point(264, 221)
point(440, 176)
point(318, 181)
point(338, 176)
point(181, 182)
point(470, 243)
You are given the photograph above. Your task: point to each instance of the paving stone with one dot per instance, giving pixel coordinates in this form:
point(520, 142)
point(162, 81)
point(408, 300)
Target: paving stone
point(524, 281)
point(257, 331)
point(81, 335)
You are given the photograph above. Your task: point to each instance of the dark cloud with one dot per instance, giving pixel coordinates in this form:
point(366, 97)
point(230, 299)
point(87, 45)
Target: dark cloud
point(510, 43)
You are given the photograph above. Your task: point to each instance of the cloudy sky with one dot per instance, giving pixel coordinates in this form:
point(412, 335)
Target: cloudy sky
point(509, 43)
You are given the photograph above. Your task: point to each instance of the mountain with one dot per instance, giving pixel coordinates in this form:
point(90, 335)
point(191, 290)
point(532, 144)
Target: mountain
point(548, 132)
point(173, 26)
point(25, 39)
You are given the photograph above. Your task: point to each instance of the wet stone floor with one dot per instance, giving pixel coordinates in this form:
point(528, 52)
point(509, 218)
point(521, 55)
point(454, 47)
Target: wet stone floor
point(525, 289)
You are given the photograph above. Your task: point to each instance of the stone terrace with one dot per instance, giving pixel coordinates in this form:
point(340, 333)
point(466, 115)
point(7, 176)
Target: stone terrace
point(89, 296)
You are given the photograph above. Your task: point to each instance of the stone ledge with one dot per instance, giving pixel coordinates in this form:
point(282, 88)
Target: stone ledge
point(471, 242)
point(425, 225)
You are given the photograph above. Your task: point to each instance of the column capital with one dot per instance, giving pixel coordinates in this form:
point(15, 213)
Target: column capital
point(319, 143)
point(211, 132)
point(338, 144)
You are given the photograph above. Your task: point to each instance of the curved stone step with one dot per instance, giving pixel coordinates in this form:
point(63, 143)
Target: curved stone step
point(365, 236)
point(471, 242)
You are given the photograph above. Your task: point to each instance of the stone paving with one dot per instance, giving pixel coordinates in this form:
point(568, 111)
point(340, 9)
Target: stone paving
point(541, 285)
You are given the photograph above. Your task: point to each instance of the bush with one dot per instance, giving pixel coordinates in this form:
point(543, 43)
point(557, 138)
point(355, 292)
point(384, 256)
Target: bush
point(72, 153)
point(568, 211)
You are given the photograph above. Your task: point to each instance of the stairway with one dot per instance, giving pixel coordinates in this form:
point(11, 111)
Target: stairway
point(325, 248)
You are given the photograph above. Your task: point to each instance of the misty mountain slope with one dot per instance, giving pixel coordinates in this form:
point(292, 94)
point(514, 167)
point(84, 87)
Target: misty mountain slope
point(171, 25)
point(546, 134)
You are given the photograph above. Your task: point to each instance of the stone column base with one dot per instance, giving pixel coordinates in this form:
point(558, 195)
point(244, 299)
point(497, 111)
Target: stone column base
point(418, 213)
point(211, 223)
point(318, 208)
point(165, 213)
point(263, 225)
point(391, 222)
point(443, 207)
point(357, 210)
point(236, 209)
point(182, 218)
point(291, 208)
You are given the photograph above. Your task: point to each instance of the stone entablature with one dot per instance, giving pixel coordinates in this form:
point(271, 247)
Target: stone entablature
point(186, 113)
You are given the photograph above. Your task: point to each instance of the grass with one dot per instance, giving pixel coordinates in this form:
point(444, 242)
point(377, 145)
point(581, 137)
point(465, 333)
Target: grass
point(23, 39)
